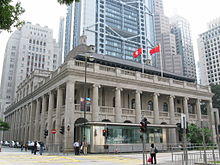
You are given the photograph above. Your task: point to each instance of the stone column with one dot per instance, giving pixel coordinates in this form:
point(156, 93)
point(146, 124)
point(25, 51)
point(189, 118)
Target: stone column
point(198, 108)
point(69, 116)
point(211, 120)
point(31, 129)
point(37, 117)
point(22, 125)
point(138, 105)
point(49, 118)
point(172, 131)
point(58, 116)
point(42, 118)
point(12, 127)
point(19, 124)
point(186, 111)
point(26, 124)
point(156, 108)
point(95, 106)
point(118, 110)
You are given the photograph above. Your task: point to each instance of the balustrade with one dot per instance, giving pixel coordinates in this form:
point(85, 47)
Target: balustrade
point(192, 116)
point(164, 114)
point(177, 114)
point(126, 111)
point(105, 109)
point(147, 113)
point(206, 117)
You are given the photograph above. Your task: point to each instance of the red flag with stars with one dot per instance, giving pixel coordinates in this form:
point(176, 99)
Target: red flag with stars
point(155, 50)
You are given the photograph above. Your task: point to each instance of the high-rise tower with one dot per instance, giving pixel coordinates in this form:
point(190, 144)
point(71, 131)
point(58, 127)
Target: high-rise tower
point(181, 29)
point(171, 61)
point(32, 47)
point(209, 53)
point(61, 35)
point(116, 27)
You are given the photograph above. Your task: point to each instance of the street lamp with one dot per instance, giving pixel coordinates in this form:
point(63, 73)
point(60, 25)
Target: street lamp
point(90, 58)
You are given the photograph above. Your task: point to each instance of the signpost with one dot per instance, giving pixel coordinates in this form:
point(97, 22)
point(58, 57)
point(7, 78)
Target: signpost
point(53, 131)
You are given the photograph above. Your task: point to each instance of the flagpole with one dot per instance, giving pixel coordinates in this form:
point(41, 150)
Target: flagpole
point(161, 63)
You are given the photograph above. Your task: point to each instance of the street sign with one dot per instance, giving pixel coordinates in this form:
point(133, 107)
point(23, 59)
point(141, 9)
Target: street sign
point(53, 131)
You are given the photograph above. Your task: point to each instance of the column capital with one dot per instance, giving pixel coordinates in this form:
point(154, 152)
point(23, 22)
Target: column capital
point(96, 85)
point(186, 98)
point(156, 94)
point(198, 100)
point(172, 96)
point(119, 88)
point(138, 91)
point(71, 81)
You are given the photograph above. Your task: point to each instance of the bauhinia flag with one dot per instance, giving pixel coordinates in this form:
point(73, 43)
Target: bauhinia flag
point(155, 50)
point(138, 52)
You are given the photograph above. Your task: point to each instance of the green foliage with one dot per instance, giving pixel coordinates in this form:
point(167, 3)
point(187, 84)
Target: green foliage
point(67, 2)
point(216, 98)
point(4, 126)
point(9, 15)
point(195, 133)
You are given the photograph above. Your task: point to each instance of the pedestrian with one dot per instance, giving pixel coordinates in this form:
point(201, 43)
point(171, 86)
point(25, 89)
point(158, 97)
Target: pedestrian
point(35, 147)
point(153, 152)
point(41, 148)
point(22, 146)
point(85, 147)
point(76, 147)
point(26, 146)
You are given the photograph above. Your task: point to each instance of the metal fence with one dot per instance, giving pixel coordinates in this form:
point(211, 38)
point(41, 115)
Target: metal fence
point(208, 155)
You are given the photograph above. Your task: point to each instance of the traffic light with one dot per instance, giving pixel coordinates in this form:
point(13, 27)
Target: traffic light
point(45, 133)
point(62, 130)
point(107, 132)
point(179, 128)
point(143, 126)
point(104, 132)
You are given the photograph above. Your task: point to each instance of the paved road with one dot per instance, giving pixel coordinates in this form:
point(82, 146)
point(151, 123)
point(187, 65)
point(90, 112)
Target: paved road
point(11, 156)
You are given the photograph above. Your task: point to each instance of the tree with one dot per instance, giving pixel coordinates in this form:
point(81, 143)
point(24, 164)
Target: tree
point(67, 2)
point(4, 126)
point(9, 15)
point(195, 134)
point(216, 98)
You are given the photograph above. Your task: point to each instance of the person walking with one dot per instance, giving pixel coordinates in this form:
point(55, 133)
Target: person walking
point(41, 148)
point(35, 147)
point(85, 147)
point(76, 146)
point(153, 152)
point(26, 146)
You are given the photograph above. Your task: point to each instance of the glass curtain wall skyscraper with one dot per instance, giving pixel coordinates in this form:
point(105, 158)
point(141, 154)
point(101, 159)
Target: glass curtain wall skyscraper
point(116, 27)
point(181, 29)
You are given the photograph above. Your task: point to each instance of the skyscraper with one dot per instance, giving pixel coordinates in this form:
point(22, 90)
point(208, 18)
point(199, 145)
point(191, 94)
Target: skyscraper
point(61, 35)
point(27, 49)
point(171, 61)
point(116, 27)
point(209, 53)
point(181, 29)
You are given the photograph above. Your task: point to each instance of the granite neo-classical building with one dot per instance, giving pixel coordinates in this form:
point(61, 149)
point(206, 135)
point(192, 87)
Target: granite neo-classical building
point(120, 98)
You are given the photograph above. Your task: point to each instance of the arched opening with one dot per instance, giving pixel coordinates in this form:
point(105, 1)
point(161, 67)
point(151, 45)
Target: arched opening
point(127, 121)
point(79, 129)
point(163, 123)
point(106, 120)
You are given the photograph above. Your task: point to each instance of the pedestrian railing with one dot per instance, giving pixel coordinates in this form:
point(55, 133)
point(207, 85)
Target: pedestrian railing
point(200, 155)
